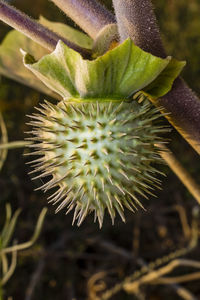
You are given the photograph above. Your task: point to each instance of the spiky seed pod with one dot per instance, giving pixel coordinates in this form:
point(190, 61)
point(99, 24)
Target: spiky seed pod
point(99, 155)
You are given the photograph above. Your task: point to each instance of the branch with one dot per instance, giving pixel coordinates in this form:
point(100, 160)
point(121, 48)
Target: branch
point(184, 107)
point(181, 172)
point(90, 15)
point(177, 279)
point(136, 19)
point(154, 275)
point(32, 29)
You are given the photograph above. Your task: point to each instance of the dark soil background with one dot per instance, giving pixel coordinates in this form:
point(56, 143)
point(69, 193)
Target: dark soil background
point(65, 260)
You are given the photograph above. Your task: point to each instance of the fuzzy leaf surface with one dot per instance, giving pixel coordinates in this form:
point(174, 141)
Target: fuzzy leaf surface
point(118, 74)
point(73, 35)
point(11, 64)
point(163, 83)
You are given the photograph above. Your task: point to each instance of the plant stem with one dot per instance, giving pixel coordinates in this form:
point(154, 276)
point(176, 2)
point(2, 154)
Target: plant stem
point(14, 145)
point(181, 172)
point(1, 292)
point(184, 107)
point(35, 236)
point(37, 32)
point(137, 20)
point(4, 139)
point(90, 15)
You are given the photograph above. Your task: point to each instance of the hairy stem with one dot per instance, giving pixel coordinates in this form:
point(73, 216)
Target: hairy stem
point(37, 32)
point(136, 19)
point(184, 107)
point(90, 15)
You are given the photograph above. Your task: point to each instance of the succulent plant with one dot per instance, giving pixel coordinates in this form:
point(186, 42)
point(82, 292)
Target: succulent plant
point(99, 145)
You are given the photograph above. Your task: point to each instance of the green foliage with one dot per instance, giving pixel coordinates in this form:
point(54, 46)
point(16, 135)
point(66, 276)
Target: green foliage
point(10, 57)
point(118, 74)
point(163, 83)
point(73, 35)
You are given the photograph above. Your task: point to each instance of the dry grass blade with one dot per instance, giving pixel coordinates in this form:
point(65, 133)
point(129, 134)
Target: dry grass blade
point(155, 270)
point(32, 240)
point(178, 279)
point(4, 139)
point(11, 269)
point(133, 287)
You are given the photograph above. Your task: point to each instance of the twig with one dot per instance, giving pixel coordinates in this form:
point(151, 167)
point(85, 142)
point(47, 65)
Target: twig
point(37, 32)
point(183, 292)
point(149, 270)
point(154, 275)
point(93, 287)
point(90, 15)
point(111, 247)
point(4, 139)
point(35, 279)
point(181, 172)
point(184, 108)
point(177, 279)
point(14, 145)
point(183, 219)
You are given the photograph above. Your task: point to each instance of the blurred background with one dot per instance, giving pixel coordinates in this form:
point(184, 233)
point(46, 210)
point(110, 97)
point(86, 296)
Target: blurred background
point(73, 263)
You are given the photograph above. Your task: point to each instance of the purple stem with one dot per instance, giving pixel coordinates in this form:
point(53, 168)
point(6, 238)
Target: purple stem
point(136, 20)
point(90, 15)
point(184, 107)
point(37, 32)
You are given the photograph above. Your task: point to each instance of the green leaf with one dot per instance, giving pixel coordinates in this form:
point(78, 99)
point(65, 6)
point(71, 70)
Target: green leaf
point(74, 35)
point(11, 64)
point(10, 60)
point(163, 83)
point(118, 74)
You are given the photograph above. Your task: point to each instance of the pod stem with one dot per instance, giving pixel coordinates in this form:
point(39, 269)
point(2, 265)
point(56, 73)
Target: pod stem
point(90, 15)
point(34, 30)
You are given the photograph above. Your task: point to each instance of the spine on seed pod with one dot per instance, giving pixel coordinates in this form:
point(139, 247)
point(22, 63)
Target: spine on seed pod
point(99, 145)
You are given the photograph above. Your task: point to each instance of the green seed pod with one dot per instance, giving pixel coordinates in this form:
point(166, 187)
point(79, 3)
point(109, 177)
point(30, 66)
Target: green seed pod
point(99, 155)
point(99, 145)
